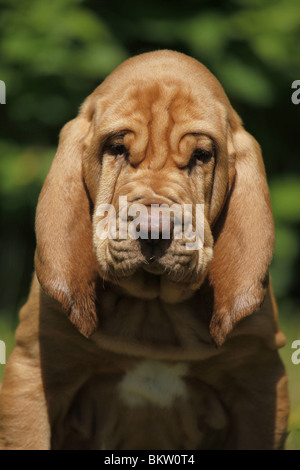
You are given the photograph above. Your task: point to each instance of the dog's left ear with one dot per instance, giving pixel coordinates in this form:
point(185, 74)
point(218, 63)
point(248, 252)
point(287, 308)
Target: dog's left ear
point(244, 237)
point(65, 263)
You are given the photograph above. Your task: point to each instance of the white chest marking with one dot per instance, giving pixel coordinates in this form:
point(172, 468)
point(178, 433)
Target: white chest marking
point(153, 382)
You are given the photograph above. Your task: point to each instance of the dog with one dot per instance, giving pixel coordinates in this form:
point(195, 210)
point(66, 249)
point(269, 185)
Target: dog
point(150, 342)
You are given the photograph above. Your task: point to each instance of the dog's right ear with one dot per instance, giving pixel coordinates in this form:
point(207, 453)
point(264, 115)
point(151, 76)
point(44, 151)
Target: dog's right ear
point(65, 264)
point(244, 245)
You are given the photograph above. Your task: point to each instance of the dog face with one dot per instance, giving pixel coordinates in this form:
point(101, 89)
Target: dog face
point(155, 140)
point(158, 133)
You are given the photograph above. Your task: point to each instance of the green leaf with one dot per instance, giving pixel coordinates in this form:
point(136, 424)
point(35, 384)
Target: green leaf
point(245, 82)
point(285, 197)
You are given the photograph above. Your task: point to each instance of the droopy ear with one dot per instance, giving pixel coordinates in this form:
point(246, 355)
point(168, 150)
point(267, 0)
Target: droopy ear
point(244, 239)
point(65, 263)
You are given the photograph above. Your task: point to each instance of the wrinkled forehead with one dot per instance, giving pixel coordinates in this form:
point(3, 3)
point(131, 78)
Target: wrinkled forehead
point(181, 95)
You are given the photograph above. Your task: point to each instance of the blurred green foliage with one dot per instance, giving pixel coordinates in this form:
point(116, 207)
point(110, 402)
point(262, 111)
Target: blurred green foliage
point(53, 54)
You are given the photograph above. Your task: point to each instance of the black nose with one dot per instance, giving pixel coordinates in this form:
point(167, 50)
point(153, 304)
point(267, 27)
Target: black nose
point(153, 249)
point(156, 231)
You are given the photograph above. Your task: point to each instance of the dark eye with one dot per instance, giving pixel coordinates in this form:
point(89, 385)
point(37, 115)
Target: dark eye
point(118, 149)
point(202, 155)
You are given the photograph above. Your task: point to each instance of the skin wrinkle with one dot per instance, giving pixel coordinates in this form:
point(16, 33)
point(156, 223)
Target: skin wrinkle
point(159, 129)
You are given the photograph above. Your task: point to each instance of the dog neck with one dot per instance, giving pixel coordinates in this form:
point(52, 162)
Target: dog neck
point(153, 328)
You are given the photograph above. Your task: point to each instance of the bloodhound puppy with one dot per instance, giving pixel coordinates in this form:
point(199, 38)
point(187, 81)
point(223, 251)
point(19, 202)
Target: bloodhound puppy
point(146, 342)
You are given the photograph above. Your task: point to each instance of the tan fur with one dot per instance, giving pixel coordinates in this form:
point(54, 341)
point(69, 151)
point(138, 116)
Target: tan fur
point(203, 322)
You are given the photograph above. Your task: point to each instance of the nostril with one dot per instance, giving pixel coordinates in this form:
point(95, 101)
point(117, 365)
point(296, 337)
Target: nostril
point(152, 250)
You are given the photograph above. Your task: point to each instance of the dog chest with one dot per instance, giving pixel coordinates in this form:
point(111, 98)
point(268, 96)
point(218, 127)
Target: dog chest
point(152, 405)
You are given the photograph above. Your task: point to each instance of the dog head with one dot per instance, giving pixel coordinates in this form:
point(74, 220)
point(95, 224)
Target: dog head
point(155, 187)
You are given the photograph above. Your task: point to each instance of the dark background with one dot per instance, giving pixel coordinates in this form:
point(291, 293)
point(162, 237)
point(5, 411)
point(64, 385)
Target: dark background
point(54, 53)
